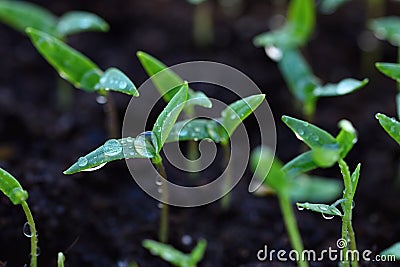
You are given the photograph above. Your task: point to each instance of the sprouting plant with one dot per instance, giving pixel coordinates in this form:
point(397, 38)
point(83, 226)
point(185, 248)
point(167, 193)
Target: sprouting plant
point(291, 188)
point(146, 145)
point(203, 32)
point(60, 259)
point(174, 256)
point(391, 126)
point(282, 45)
point(81, 71)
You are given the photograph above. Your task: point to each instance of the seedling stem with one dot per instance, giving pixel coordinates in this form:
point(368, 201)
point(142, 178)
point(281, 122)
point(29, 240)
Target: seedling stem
point(33, 233)
point(163, 229)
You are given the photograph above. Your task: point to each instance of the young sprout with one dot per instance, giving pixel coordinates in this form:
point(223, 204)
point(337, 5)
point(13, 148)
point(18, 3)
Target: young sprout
point(145, 145)
point(391, 126)
point(291, 188)
point(80, 70)
point(60, 259)
point(282, 46)
point(393, 250)
point(202, 22)
point(174, 256)
point(18, 196)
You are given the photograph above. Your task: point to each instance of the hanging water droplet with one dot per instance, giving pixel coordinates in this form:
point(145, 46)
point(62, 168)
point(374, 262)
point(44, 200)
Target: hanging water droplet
point(273, 53)
point(196, 139)
point(101, 100)
point(196, 129)
point(298, 136)
point(37, 251)
point(393, 128)
point(123, 84)
point(95, 168)
point(158, 181)
point(327, 217)
point(300, 208)
point(27, 230)
point(144, 144)
point(82, 162)
point(187, 240)
point(353, 204)
point(112, 148)
point(234, 116)
point(159, 205)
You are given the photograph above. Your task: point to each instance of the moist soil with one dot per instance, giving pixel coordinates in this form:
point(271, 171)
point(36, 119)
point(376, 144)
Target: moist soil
point(100, 218)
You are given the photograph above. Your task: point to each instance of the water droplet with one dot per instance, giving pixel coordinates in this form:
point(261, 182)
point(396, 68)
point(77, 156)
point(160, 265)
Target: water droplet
point(187, 240)
point(324, 208)
point(123, 84)
point(393, 128)
point(63, 75)
point(183, 132)
point(27, 230)
point(301, 132)
point(299, 137)
point(353, 204)
point(196, 129)
point(112, 148)
point(101, 100)
point(327, 217)
point(196, 139)
point(129, 140)
point(300, 208)
point(316, 138)
point(158, 181)
point(159, 205)
point(103, 79)
point(37, 251)
point(273, 53)
point(94, 168)
point(144, 144)
point(234, 116)
point(82, 162)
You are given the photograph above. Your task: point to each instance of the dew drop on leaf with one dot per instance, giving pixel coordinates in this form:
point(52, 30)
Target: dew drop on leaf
point(327, 217)
point(27, 230)
point(95, 168)
point(158, 181)
point(37, 251)
point(82, 162)
point(301, 132)
point(112, 147)
point(159, 205)
point(123, 84)
point(101, 100)
point(273, 53)
point(300, 208)
point(144, 144)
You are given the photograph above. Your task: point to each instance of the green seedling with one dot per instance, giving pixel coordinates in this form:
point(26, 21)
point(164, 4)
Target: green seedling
point(60, 259)
point(174, 256)
point(392, 251)
point(282, 46)
point(80, 71)
point(21, 15)
point(391, 126)
point(291, 188)
point(145, 145)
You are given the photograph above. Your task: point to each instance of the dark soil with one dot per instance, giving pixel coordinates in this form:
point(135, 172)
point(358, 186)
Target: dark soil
point(100, 218)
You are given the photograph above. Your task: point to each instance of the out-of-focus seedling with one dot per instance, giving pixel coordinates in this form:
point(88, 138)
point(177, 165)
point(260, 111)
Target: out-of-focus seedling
point(391, 126)
point(282, 46)
point(146, 145)
point(392, 251)
point(80, 71)
point(203, 33)
point(174, 256)
point(330, 6)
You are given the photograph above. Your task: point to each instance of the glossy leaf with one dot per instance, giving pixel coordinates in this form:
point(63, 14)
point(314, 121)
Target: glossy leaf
point(269, 170)
point(69, 63)
point(12, 188)
point(344, 87)
point(330, 6)
point(391, 126)
point(21, 15)
point(166, 120)
point(387, 28)
point(310, 134)
point(327, 155)
point(235, 113)
point(174, 256)
point(313, 188)
point(391, 70)
point(197, 129)
point(392, 250)
point(125, 148)
point(321, 208)
point(80, 21)
point(300, 164)
point(346, 138)
point(115, 80)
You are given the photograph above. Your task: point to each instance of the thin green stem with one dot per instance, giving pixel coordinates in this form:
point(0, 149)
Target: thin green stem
point(226, 200)
point(112, 117)
point(34, 238)
point(163, 229)
point(291, 227)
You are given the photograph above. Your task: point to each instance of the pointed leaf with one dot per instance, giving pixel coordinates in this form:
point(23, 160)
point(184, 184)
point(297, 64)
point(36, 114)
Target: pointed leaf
point(300, 164)
point(387, 28)
point(21, 15)
point(393, 250)
point(268, 169)
point(327, 155)
point(391, 126)
point(344, 87)
point(69, 63)
point(197, 253)
point(198, 99)
point(169, 115)
point(197, 129)
point(115, 80)
point(354, 178)
point(313, 188)
point(309, 133)
point(12, 188)
point(321, 208)
point(391, 70)
point(80, 21)
point(238, 111)
point(346, 138)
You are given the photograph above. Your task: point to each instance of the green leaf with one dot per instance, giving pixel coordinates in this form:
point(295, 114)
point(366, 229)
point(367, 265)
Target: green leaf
point(69, 63)
point(12, 188)
point(197, 129)
point(300, 164)
point(166, 120)
point(21, 15)
point(115, 80)
point(313, 188)
point(330, 6)
point(391, 126)
point(168, 82)
point(269, 170)
point(143, 146)
point(392, 250)
point(327, 155)
point(391, 70)
point(235, 113)
point(398, 104)
point(321, 208)
point(174, 256)
point(346, 138)
point(344, 87)
point(387, 28)
point(309, 133)
point(80, 21)
point(355, 177)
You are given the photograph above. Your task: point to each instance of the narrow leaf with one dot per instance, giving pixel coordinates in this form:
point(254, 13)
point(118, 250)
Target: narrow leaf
point(238, 111)
point(69, 63)
point(12, 188)
point(169, 115)
point(309, 133)
point(346, 138)
point(21, 15)
point(344, 87)
point(197, 253)
point(321, 208)
point(393, 250)
point(355, 177)
point(115, 80)
point(80, 21)
point(327, 155)
point(391, 70)
point(316, 189)
point(197, 129)
point(387, 28)
point(391, 126)
point(300, 164)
